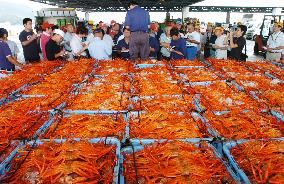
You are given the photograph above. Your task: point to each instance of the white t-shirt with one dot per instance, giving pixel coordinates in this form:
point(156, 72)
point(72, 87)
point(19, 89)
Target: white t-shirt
point(109, 42)
point(193, 36)
point(90, 38)
point(107, 38)
point(76, 45)
point(220, 54)
point(276, 40)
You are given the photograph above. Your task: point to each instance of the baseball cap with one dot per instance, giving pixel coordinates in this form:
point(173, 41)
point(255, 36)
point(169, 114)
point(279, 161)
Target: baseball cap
point(3, 31)
point(179, 22)
point(59, 32)
point(279, 24)
point(46, 25)
point(98, 30)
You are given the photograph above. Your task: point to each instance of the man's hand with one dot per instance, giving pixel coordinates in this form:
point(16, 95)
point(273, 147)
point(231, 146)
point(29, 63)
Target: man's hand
point(19, 68)
point(34, 36)
point(62, 53)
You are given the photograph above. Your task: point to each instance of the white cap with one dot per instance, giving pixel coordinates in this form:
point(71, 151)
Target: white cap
point(59, 32)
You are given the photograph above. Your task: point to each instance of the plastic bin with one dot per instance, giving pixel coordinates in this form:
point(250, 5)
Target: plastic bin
point(6, 165)
point(13, 95)
point(138, 145)
point(229, 145)
point(278, 64)
point(141, 66)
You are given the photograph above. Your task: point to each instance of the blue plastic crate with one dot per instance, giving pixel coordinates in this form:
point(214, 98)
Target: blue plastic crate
point(236, 85)
point(6, 164)
point(186, 67)
point(13, 95)
point(210, 130)
point(141, 66)
point(271, 76)
point(278, 64)
point(226, 149)
point(90, 112)
point(125, 115)
point(278, 115)
point(138, 144)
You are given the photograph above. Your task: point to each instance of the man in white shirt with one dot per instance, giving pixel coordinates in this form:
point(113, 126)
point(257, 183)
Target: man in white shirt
point(193, 39)
point(275, 43)
point(107, 38)
point(77, 46)
point(220, 46)
point(98, 48)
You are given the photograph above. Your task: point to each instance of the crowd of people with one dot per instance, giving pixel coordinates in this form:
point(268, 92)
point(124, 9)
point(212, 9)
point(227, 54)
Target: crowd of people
point(137, 38)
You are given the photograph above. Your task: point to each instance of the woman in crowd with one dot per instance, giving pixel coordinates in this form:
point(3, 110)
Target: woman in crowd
point(45, 36)
point(220, 44)
point(237, 42)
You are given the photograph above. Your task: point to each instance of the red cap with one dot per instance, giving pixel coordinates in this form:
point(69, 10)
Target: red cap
point(46, 25)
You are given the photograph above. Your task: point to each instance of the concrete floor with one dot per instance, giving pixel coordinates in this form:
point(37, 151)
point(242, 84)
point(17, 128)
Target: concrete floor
point(251, 56)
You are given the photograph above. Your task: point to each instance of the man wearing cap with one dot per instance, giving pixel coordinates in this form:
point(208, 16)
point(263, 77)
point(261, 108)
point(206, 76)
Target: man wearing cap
point(275, 43)
point(138, 21)
point(29, 42)
point(53, 48)
point(45, 36)
point(7, 61)
point(98, 48)
point(193, 39)
point(12, 45)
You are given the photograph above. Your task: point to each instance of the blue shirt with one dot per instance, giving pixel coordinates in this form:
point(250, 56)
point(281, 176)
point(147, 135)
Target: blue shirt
point(120, 45)
point(180, 45)
point(4, 53)
point(153, 42)
point(137, 19)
